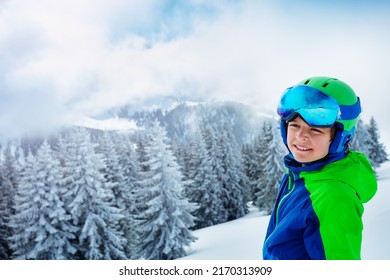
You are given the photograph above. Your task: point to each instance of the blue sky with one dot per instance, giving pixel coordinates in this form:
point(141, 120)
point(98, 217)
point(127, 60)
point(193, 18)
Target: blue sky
point(64, 59)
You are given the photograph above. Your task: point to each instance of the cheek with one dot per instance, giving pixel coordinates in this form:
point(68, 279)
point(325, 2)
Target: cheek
point(289, 139)
point(322, 144)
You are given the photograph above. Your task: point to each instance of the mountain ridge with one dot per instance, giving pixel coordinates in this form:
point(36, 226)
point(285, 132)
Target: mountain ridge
point(183, 118)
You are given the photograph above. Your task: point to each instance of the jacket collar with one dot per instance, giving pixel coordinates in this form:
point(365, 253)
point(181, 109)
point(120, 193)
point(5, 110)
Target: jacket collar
point(296, 167)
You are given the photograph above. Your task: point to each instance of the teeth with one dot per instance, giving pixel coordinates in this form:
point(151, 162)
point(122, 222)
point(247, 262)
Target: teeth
point(302, 148)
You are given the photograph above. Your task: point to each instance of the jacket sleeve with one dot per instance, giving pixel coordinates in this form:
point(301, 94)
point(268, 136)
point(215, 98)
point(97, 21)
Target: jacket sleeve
point(339, 212)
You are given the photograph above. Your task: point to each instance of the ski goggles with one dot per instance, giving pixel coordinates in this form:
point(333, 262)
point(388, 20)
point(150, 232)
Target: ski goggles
point(315, 107)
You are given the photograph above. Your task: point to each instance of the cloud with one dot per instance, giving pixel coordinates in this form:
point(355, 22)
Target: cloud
point(66, 59)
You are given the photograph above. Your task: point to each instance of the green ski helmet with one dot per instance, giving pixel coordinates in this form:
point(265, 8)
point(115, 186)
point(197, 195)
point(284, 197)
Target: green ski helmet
point(324, 102)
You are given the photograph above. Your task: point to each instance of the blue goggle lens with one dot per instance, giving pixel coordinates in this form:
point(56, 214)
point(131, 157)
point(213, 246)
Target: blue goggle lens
point(314, 106)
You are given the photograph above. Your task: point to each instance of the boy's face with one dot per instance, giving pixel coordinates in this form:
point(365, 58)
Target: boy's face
point(307, 143)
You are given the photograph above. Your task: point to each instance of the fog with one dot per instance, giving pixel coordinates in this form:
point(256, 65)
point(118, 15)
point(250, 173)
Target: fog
point(64, 60)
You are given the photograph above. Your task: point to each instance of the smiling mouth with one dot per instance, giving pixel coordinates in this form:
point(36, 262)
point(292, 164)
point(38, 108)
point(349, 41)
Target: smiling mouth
point(302, 148)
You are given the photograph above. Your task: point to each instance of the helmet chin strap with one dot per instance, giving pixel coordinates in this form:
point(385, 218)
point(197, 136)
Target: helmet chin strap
point(341, 140)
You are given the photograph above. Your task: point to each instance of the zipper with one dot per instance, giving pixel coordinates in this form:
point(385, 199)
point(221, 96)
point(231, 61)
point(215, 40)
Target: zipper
point(290, 187)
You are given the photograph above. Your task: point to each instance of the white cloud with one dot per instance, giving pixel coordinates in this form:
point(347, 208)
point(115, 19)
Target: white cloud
point(71, 58)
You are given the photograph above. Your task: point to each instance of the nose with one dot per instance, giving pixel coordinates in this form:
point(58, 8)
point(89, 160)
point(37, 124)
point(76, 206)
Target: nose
point(302, 134)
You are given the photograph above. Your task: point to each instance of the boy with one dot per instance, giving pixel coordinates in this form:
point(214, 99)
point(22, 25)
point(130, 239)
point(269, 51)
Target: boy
point(319, 207)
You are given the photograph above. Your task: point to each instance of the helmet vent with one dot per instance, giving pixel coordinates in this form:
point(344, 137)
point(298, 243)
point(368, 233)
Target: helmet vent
point(325, 85)
point(307, 81)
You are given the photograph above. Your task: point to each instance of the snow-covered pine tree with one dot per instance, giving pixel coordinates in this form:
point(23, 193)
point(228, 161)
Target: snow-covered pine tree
point(246, 154)
point(216, 161)
point(4, 247)
point(8, 184)
point(255, 170)
point(260, 147)
point(89, 200)
point(5, 251)
point(377, 151)
point(22, 241)
point(235, 183)
point(127, 189)
point(362, 139)
point(181, 150)
point(42, 226)
point(113, 171)
point(200, 188)
point(141, 140)
point(167, 219)
point(113, 174)
point(273, 167)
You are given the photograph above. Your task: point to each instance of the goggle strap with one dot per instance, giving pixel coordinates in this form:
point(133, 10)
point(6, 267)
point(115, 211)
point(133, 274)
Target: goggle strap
point(350, 112)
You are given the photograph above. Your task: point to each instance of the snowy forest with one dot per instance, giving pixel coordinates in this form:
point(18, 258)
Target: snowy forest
point(102, 194)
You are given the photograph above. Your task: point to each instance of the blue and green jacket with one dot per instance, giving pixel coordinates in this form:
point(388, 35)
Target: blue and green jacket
point(318, 210)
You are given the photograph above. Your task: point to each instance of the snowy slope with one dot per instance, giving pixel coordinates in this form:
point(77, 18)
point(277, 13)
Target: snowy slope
point(376, 245)
point(242, 239)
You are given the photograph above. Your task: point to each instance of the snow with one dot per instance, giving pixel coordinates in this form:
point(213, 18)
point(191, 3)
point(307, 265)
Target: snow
point(106, 124)
point(242, 239)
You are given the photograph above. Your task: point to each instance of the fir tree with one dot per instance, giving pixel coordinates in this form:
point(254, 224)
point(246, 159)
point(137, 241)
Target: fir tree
point(201, 185)
point(377, 151)
point(235, 184)
point(113, 171)
point(182, 153)
point(8, 184)
point(246, 154)
point(214, 152)
point(42, 226)
point(167, 219)
point(272, 166)
point(142, 139)
point(89, 200)
point(362, 140)
point(255, 168)
point(127, 194)
point(26, 213)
